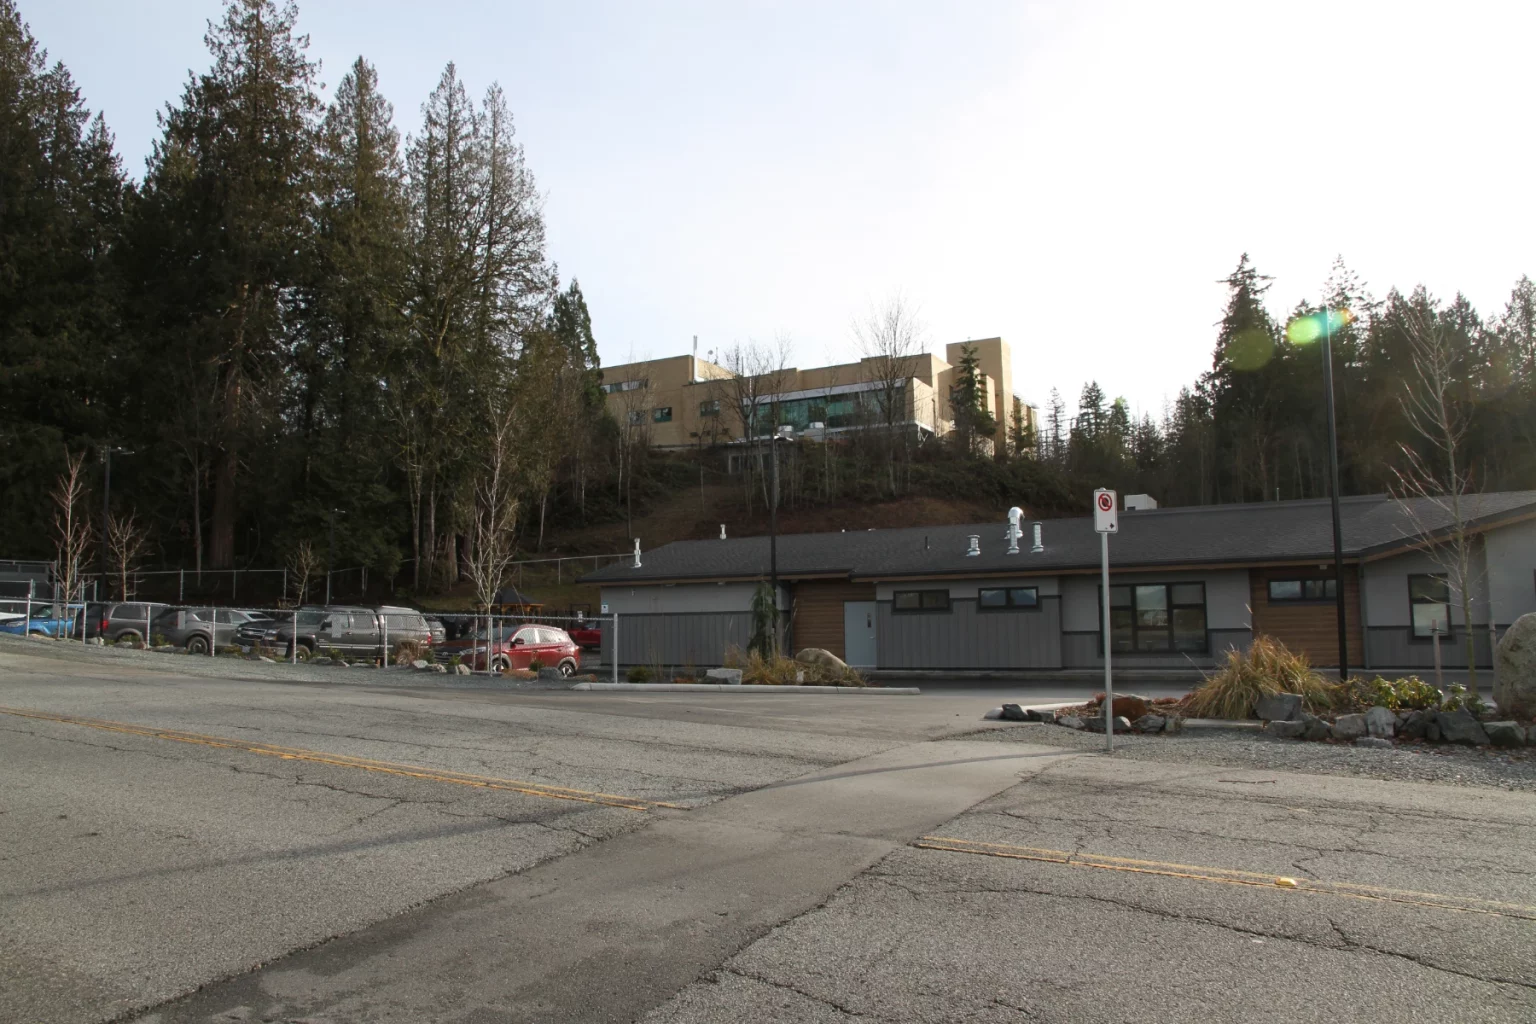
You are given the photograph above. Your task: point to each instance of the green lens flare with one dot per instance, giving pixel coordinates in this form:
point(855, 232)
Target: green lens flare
point(1251, 349)
point(1306, 329)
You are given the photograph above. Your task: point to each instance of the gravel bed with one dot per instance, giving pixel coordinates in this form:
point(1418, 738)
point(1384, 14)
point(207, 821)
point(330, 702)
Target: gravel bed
point(1407, 762)
point(235, 667)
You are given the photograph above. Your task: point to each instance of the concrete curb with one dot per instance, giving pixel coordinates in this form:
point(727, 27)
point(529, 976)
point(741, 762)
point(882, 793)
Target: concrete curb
point(996, 714)
point(845, 691)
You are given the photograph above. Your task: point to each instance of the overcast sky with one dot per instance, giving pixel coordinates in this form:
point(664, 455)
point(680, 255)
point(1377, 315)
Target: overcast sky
point(1073, 176)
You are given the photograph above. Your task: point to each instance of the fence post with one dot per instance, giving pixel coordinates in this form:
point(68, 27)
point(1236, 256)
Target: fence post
point(293, 645)
point(213, 630)
point(384, 625)
point(615, 647)
point(234, 585)
point(26, 622)
point(181, 587)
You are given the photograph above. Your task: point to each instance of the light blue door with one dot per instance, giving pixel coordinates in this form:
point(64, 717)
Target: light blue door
point(859, 633)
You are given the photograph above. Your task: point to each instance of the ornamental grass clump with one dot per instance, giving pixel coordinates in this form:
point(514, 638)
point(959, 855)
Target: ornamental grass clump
point(1267, 667)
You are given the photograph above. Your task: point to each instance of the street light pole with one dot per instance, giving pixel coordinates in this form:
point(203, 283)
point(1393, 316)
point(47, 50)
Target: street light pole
point(330, 557)
point(1333, 475)
point(773, 539)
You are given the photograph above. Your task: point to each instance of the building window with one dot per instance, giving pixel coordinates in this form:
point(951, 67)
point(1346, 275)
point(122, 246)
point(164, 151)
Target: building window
point(662, 415)
point(1157, 618)
point(622, 385)
point(710, 408)
point(920, 601)
point(1429, 601)
point(1282, 591)
point(636, 417)
point(1003, 598)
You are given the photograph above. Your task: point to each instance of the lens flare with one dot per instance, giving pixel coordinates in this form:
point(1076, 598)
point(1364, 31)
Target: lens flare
point(1304, 330)
point(1251, 349)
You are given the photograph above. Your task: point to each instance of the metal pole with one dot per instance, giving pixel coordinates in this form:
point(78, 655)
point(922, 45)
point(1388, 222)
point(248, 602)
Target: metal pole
point(1439, 673)
point(773, 540)
point(384, 625)
point(293, 646)
point(1109, 683)
point(614, 646)
point(106, 510)
point(26, 621)
point(1333, 476)
point(181, 587)
point(213, 631)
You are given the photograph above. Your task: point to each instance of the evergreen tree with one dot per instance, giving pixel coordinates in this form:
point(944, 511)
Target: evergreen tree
point(1021, 432)
point(967, 402)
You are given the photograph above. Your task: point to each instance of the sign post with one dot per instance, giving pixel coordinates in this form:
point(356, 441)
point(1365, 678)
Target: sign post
point(1106, 520)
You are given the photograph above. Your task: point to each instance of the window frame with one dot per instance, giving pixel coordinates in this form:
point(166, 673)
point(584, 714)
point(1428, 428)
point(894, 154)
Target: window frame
point(1008, 604)
point(661, 414)
point(922, 607)
point(1328, 582)
point(1170, 606)
point(710, 408)
point(1413, 626)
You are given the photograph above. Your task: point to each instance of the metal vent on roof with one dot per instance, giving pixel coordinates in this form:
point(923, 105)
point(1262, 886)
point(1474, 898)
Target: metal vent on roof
point(975, 548)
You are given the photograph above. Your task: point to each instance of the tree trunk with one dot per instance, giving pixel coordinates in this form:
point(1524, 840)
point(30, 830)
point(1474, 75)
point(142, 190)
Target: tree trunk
point(197, 514)
point(221, 550)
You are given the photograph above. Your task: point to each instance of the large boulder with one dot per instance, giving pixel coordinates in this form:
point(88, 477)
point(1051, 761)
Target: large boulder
point(1278, 707)
point(1131, 706)
point(1504, 734)
point(1460, 727)
point(1150, 723)
point(1381, 722)
point(1414, 725)
point(1514, 669)
point(1314, 728)
point(729, 676)
point(1286, 730)
point(824, 659)
point(1348, 727)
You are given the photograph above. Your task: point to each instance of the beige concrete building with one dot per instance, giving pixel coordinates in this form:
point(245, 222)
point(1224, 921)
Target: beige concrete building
point(685, 401)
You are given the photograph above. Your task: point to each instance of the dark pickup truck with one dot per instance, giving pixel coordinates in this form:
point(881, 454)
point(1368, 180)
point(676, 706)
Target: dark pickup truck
point(352, 632)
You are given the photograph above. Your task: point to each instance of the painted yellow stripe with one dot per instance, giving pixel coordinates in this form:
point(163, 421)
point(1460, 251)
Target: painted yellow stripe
point(1228, 876)
point(349, 761)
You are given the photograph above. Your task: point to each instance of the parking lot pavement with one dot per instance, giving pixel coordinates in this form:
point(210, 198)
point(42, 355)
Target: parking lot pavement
point(1104, 890)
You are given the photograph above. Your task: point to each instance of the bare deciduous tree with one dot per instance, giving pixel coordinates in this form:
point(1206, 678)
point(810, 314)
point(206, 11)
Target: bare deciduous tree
point(892, 339)
point(126, 541)
point(1435, 484)
point(303, 565)
point(757, 373)
point(493, 525)
point(72, 532)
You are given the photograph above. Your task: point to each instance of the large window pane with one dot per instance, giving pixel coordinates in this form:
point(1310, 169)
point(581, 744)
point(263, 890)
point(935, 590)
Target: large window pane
point(1120, 629)
point(1119, 597)
point(1285, 590)
point(907, 600)
point(935, 600)
point(1432, 589)
point(992, 598)
point(1321, 590)
point(1189, 629)
point(1429, 619)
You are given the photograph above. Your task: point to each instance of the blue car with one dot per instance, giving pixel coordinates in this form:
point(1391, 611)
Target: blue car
point(43, 623)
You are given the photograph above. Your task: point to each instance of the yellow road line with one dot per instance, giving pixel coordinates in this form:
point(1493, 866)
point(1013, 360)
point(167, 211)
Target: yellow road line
point(349, 761)
point(1228, 876)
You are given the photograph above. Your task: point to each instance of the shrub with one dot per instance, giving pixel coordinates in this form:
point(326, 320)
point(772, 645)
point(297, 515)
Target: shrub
point(455, 661)
point(407, 651)
point(1410, 694)
point(761, 671)
point(639, 674)
point(534, 664)
point(1267, 667)
point(1457, 699)
point(158, 640)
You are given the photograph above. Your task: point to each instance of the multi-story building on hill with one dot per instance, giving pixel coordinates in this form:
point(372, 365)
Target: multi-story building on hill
point(685, 401)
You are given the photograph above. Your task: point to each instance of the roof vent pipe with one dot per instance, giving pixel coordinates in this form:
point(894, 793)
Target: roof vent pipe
point(637, 553)
point(722, 531)
point(975, 549)
point(1014, 533)
point(1039, 547)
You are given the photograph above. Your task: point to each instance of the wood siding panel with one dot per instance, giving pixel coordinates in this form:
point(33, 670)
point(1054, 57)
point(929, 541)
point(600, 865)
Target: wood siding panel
point(1307, 627)
point(818, 612)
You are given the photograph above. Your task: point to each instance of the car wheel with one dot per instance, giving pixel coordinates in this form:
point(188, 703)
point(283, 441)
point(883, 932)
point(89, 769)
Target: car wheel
point(500, 663)
point(197, 645)
point(302, 654)
point(567, 668)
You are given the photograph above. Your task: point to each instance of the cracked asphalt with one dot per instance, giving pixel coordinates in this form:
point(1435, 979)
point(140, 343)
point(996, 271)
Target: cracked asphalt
point(304, 850)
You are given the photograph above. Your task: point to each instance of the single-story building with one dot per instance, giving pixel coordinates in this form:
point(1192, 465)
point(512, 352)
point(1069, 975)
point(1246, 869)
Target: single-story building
point(1186, 585)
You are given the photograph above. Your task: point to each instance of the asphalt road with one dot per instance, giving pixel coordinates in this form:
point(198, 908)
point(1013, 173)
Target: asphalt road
point(179, 848)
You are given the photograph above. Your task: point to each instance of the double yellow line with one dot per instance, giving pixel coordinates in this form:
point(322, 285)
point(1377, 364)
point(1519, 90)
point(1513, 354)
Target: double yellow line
point(409, 771)
point(1229, 876)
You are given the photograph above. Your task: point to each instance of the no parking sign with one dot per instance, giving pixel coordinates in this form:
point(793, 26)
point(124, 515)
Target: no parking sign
point(1106, 519)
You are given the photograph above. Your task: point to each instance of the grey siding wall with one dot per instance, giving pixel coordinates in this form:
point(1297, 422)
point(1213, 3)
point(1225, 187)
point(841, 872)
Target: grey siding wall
point(964, 638)
point(1394, 647)
point(681, 597)
point(1385, 592)
point(699, 639)
point(1511, 554)
point(1226, 596)
point(1081, 650)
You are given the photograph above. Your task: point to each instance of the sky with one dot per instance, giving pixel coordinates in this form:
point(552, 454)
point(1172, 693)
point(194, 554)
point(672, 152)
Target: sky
point(1076, 177)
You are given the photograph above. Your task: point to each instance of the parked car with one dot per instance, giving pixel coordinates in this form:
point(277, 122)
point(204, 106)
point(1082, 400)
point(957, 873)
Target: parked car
point(43, 623)
point(197, 629)
point(351, 631)
point(126, 620)
point(439, 631)
point(587, 634)
point(518, 647)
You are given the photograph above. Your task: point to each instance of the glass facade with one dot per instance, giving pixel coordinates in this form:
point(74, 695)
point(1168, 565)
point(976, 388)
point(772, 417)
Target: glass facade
point(1157, 618)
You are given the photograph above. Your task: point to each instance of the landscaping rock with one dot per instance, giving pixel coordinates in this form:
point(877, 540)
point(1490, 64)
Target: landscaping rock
point(1374, 741)
point(463, 670)
point(1381, 722)
point(1175, 723)
point(1348, 727)
point(421, 664)
point(1286, 730)
point(1033, 715)
point(1460, 727)
point(551, 675)
point(1413, 725)
point(1514, 669)
point(729, 676)
point(1314, 728)
point(264, 658)
point(1505, 734)
point(440, 668)
point(1096, 723)
point(319, 659)
point(1432, 731)
point(1130, 706)
point(1070, 721)
point(1150, 723)
point(1278, 707)
point(825, 659)
point(1013, 713)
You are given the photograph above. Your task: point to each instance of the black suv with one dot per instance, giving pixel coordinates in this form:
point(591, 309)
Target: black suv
point(349, 631)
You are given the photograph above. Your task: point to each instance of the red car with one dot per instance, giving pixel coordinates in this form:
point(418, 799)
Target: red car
point(588, 635)
point(519, 647)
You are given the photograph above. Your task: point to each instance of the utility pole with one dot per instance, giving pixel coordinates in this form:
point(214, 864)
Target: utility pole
point(1333, 477)
point(330, 556)
point(783, 433)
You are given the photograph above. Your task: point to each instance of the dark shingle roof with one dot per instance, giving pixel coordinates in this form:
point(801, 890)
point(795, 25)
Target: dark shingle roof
point(1207, 534)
